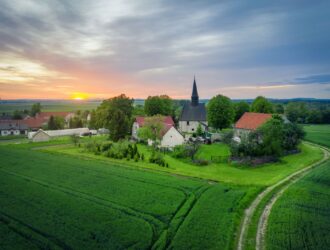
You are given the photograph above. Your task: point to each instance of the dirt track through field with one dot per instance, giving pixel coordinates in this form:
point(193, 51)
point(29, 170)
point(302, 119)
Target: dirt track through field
point(263, 220)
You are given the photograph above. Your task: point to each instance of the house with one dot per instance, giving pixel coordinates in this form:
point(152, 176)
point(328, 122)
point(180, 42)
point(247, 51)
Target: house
point(171, 138)
point(170, 135)
point(41, 119)
point(193, 114)
point(39, 136)
point(139, 122)
point(249, 122)
point(13, 127)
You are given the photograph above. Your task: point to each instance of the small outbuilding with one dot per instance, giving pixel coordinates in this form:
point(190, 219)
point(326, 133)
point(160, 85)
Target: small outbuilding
point(40, 136)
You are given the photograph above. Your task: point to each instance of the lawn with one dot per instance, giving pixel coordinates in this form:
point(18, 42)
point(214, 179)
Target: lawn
point(319, 134)
point(56, 201)
point(239, 175)
point(300, 219)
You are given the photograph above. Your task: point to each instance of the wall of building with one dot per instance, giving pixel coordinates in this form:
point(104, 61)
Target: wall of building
point(40, 136)
point(12, 132)
point(135, 129)
point(189, 127)
point(172, 138)
point(241, 133)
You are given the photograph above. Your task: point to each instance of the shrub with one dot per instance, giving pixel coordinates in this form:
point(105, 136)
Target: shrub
point(201, 162)
point(157, 158)
point(227, 137)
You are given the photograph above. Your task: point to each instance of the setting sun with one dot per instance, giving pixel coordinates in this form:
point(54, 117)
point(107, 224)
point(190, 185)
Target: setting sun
point(79, 96)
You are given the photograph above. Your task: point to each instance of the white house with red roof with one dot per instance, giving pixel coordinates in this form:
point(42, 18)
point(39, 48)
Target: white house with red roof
point(249, 122)
point(171, 136)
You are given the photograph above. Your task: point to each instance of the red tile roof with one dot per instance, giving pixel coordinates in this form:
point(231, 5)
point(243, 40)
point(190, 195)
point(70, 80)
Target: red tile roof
point(34, 123)
point(168, 122)
point(47, 115)
point(252, 121)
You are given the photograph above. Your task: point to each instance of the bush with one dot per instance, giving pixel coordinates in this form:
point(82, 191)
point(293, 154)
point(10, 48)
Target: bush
point(201, 162)
point(227, 137)
point(157, 158)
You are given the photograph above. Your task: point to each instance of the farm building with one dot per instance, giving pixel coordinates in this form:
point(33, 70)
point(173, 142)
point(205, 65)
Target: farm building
point(39, 136)
point(13, 127)
point(170, 136)
point(139, 122)
point(193, 114)
point(249, 122)
point(57, 133)
point(42, 118)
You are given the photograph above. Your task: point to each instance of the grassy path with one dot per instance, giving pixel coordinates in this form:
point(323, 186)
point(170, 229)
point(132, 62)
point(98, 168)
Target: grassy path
point(278, 189)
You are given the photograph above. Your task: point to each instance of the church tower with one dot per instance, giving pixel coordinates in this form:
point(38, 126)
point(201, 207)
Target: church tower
point(194, 95)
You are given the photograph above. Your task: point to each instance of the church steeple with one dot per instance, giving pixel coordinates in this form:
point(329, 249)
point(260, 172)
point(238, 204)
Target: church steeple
point(194, 95)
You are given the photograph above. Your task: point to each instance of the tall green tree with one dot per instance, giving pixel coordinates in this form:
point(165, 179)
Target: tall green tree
point(261, 105)
point(153, 128)
point(114, 114)
point(158, 105)
point(296, 112)
point(36, 108)
point(220, 112)
point(55, 122)
point(240, 109)
point(278, 108)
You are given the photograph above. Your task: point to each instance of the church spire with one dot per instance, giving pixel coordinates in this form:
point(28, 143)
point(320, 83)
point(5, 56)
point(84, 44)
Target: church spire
point(194, 95)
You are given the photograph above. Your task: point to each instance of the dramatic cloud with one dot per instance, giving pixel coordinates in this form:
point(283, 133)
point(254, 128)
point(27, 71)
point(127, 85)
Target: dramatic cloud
point(104, 48)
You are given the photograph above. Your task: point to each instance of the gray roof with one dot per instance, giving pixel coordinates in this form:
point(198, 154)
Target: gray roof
point(12, 124)
point(193, 112)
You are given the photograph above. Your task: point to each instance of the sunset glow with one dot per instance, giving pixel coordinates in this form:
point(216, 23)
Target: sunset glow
point(237, 50)
point(79, 96)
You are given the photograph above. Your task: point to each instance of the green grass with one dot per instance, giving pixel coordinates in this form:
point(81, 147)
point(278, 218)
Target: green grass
point(55, 201)
point(263, 175)
point(208, 151)
point(300, 219)
point(319, 134)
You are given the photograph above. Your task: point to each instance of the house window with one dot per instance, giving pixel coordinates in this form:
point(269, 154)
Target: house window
point(192, 129)
point(188, 123)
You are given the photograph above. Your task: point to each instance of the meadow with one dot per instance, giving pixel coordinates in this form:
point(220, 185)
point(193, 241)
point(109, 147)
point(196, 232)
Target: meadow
point(319, 134)
point(300, 218)
point(66, 202)
point(263, 175)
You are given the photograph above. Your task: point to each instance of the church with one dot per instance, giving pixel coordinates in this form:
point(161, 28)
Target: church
point(193, 114)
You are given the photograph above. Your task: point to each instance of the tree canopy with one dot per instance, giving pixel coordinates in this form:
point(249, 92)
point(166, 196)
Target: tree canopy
point(114, 114)
point(240, 109)
point(152, 128)
point(261, 105)
point(36, 108)
point(220, 112)
point(158, 105)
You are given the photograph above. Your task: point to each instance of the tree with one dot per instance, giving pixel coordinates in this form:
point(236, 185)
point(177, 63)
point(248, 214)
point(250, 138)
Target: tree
point(158, 105)
point(240, 109)
point(75, 122)
point(279, 109)
point(51, 123)
point(138, 110)
point(199, 131)
point(36, 108)
point(55, 122)
point(292, 136)
point(272, 134)
point(220, 112)
point(296, 112)
point(261, 105)
point(17, 115)
point(114, 114)
point(153, 128)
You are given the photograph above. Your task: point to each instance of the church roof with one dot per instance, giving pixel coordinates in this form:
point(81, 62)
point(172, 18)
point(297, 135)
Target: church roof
point(193, 112)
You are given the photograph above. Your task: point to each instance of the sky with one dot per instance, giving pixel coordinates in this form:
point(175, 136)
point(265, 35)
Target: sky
point(60, 49)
